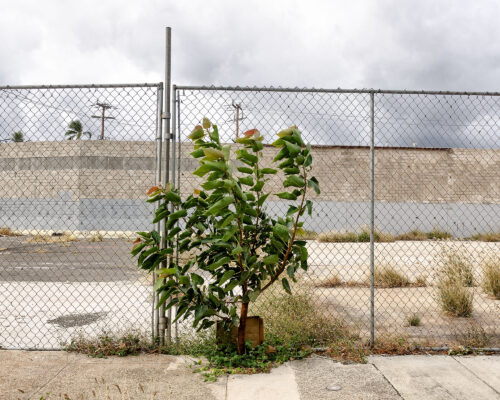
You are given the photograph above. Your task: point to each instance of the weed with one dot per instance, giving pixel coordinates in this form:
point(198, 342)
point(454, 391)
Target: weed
point(95, 238)
point(304, 234)
point(437, 234)
point(330, 282)
point(454, 298)
point(413, 320)
point(456, 267)
point(106, 345)
point(412, 235)
point(393, 344)
point(4, 231)
point(491, 277)
point(387, 277)
point(474, 337)
point(486, 237)
point(337, 237)
point(420, 281)
point(295, 320)
point(66, 237)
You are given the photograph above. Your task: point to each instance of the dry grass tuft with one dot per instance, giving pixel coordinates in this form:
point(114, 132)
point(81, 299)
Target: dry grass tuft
point(487, 237)
point(491, 276)
point(96, 238)
point(456, 267)
point(352, 237)
point(437, 234)
point(454, 298)
point(474, 337)
point(304, 234)
point(4, 231)
point(420, 281)
point(412, 235)
point(387, 277)
point(332, 281)
point(64, 238)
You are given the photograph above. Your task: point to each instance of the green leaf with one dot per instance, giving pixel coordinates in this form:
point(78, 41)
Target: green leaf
point(245, 170)
point(313, 182)
point(309, 205)
point(216, 165)
point(237, 250)
point(294, 180)
point(231, 286)
point(214, 134)
point(262, 199)
point(293, 149)
point(252, 295)
point(308, 161)
point(292, 210)
point(197, 279)
point(197, 153)
point(213, 154)
point(196, 133)
point(258, 186)
point(281, 231)
point(217, 264)
point(281, 154)
point(226, 276)
point(247, 180)
point(287, 196)
point(271, 259)
point(202, 170)
point(290, 271)
point(292, 170)
point(269, 171)
point(286, 285)
point(219, 205)
point(285, 132)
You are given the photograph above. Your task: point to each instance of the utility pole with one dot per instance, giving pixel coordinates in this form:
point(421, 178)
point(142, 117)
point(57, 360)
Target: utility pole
point(237, 108)
point(104, 107)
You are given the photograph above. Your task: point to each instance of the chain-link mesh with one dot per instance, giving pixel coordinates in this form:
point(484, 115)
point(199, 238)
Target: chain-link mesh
point(76, 163)
point(437, 200)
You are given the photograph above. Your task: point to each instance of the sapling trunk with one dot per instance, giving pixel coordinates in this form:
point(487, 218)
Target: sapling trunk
point(242, 327)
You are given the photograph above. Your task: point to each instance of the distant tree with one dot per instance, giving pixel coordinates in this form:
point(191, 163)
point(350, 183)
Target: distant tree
point(18, 137)
point(75, 131)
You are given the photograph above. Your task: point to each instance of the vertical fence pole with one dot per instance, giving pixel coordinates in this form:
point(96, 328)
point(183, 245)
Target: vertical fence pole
point(178, 99)
point(159, 153)
point(166, 137)
point(372, 219)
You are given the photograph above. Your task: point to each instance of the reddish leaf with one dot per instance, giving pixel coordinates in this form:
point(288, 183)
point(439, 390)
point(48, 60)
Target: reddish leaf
point(153, 189)
point(138, 240)
point(251, 132)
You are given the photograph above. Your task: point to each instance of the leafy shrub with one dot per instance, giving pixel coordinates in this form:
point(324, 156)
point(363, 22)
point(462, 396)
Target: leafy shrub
point(239, 248)
point(491, 276)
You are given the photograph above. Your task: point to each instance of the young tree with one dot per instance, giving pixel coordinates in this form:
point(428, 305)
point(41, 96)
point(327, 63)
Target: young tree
point(18, 137)
point(75, 131)
point(236, 250)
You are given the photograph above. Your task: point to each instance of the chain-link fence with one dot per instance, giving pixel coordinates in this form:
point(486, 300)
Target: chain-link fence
point(76, 163)
point(430, 201)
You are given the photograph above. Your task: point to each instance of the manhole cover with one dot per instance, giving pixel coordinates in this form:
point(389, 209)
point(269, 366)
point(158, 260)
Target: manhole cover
point(72, 320)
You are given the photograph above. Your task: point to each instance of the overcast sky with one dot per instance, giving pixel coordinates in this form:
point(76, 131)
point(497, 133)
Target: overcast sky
point(435, 44)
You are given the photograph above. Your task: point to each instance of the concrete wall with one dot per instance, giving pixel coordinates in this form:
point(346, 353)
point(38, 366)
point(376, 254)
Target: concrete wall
point(93, 185)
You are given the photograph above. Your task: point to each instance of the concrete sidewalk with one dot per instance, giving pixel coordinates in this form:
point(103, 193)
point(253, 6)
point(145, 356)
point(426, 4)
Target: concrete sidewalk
point(54, 375)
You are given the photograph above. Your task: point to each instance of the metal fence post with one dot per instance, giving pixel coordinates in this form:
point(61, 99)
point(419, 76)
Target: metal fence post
point(166, 137)
point(159, 152)
point(372, 219)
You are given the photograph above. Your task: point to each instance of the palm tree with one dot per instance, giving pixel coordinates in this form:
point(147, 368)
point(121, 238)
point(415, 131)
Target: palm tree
point(18, 137)
point(75, 131)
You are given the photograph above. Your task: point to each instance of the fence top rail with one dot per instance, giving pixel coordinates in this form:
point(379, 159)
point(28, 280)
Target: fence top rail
point(84, 86)
point(338, 90)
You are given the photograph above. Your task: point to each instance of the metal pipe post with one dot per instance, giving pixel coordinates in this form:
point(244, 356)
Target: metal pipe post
point(159, 152)
point(166, 138)
point(372, 219)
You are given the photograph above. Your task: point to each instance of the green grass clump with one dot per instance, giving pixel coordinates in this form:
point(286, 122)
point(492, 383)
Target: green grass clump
point(387, 277)
point(413, 320)
point(106, 345)
point(437, 234)
point(491, 277)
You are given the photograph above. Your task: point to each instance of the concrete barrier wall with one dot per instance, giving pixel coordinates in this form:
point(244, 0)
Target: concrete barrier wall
point(94, 185)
